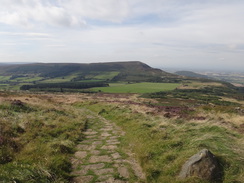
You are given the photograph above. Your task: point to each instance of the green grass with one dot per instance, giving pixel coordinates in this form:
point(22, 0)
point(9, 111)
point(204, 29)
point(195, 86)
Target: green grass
point(96, 78)
point(163, 145)
point(4, 78)
point(59, 79)
point(29, 79)
point(37, 140)
point(89, 81)
point(3, 86)
point(106, 75)
point(25, 79)
point(137, 87)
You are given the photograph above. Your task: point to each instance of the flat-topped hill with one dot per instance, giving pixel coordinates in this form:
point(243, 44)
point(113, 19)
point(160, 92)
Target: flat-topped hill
point(118, 71)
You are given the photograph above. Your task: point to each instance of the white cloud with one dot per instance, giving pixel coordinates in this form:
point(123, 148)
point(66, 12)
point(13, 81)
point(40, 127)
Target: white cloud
point(174, 31)
point(26, 34)
point(106, 10)
point(27, 13)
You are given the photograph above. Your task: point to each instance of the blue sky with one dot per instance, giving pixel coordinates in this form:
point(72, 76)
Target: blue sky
point(201, 34)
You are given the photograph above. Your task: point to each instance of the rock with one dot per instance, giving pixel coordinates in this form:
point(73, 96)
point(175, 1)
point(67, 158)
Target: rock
point(116, 155)
point(123, 171)
point(109, 147)
point(83, 179)
point(17, 103)
point(203, 165)
point(105, 134)
point(104, 171)
point(98, 159)
point(80, 154)
point(90, 133)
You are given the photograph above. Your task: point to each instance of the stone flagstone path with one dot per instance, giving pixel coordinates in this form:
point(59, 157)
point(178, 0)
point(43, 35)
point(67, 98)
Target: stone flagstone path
point(100, 159)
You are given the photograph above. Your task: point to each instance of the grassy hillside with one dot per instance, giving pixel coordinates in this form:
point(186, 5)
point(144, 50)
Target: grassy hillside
point(12, 77)
point(65, 69)
point(39, 132)
point(37, 138)
point(162, 143)
point(160, 119)
point(136, 87)
point(191, 74)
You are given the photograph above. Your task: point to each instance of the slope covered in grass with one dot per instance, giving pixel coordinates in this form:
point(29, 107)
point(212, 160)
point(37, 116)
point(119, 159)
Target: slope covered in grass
point(136, 87)
point(133, 71)
point(37, 137)
point(38, 133)
point(162, 143)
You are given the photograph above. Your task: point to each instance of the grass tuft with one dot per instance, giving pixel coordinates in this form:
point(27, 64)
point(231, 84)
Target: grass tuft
point(37, 140)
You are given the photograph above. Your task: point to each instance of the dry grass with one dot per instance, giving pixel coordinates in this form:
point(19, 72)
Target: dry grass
point(198, 85)
point(161, 144)
point(37, 138)
point(232, 100)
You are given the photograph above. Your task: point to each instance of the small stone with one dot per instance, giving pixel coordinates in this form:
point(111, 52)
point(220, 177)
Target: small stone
point(120, 181)
point(86, 147)
point(112, 180)
point(95, 152)
point(103, 138)
point(119, 161)
point(113, 142)
point(89, 133)
point(75, 163)
point(116, 165)
point(87, 141)
point(93, 166)
point(80, 154)
point(109, 147)
point(114, 138)
point(104, 171)
point(96, 159)
point(123, 171)
point(105, 134)
point(115, 155)
point(97, 142)
point(104, 178)
point(108, 130)
point(91, 136)
point(83, 179)
point(92, 147)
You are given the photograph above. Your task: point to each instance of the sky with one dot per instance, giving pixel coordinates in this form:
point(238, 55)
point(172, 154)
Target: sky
point(187, 34)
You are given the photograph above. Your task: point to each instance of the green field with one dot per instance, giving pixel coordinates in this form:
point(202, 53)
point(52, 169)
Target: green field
point(106, 75)
point(137, 87)
point(4, 78)
point(59, 79)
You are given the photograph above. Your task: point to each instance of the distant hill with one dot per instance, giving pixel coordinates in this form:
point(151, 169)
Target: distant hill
point(13, 63)
point(132, 71)
point(191, 74)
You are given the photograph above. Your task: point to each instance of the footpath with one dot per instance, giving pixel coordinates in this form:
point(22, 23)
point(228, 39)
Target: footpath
point(99, 158)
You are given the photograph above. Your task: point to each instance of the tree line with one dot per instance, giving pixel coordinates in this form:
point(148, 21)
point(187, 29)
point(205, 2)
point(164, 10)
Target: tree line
point(70, 85)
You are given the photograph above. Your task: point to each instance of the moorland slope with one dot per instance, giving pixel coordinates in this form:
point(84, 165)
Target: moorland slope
point(142, 117)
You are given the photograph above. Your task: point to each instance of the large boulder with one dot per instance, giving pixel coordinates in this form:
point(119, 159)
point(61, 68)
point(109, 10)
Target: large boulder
point(203, 165)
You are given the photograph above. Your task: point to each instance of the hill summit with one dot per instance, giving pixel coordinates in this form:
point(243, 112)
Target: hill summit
point(131, 71)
